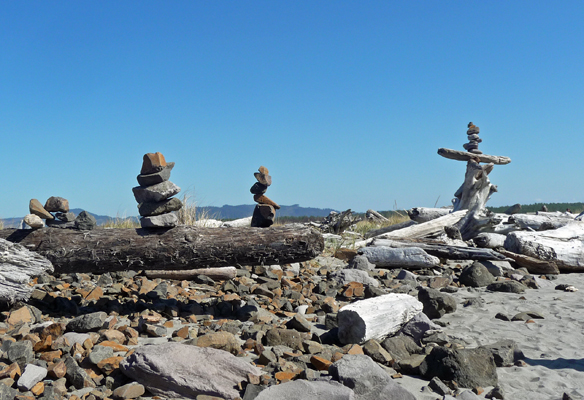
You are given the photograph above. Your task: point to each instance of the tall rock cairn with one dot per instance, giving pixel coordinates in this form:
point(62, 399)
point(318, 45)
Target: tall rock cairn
point(265, 211)
point(154, 195)
point(473, 139)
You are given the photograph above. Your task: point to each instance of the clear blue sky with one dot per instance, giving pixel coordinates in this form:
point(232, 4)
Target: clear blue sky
point(345, 102)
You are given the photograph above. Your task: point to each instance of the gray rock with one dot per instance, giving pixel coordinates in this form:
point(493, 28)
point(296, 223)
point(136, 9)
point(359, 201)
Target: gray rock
point(400, 347)
point(476, 275)
point(469, 368)
point(178, 370)
point(507, 286)
point(417, 327)
point(404, 274)
point(157, 208)
point(344, 276)
point(21, 353)
point(159, 221)
point(31, 375)
point(307, 390)
point(131, 390)
point(57, 204)
point(375, 350)
point(497, 268)
point(439, 387)
point(505, 352)
point(436, 303)
point(495, 393)
point(160, 191)
point(34, 221)
point(467, 395)
point(410, 365)
point(85, 221)
point(146, 180)
point(54, 223)
point(258, 188)
point(361, 262)
point(77, 375)
point(87, 322)
point(65, 217)
point(74, 337)
point(99, 353)
point(367, 379)
point(286, 337)
point(299, 323)
point(7, 393)
point(252, 391)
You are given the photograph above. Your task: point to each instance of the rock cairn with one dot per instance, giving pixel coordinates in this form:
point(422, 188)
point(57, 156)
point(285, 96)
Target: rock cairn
point(265, 211)
point(154, 195)
point(57, 215)
point(473, 139)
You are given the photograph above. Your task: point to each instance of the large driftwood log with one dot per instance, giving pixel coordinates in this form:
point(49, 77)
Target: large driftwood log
point(465, 156)
point(476, 189)
point(182, 247)
point(374, 217)
point(391, 228)
point(489, 240)
point(17, 266)
point(409, 258)
point(564, 246)
point(425, 214)
point(376, 318)
point(533, 265)
point(541, 222)
point(445, 251)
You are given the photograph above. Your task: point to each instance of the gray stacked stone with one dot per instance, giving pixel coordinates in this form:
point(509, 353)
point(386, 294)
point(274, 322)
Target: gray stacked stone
point(55, 214)
point(154, 195)
point(265, 211)
point(473, 139)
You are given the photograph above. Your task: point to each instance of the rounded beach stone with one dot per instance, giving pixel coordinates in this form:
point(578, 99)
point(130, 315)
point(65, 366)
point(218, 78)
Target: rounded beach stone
point(35, 207)
point(258, 188)
point(57, 204)
point(34, 221)
point(148, 209)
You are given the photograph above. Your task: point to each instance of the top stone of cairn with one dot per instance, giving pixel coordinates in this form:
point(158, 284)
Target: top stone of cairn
point(153, 162)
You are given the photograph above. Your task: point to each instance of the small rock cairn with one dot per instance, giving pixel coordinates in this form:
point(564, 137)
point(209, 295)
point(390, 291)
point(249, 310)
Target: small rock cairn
point(62, 217)
point(154, 195)
point(473, 139)
point(265, 211)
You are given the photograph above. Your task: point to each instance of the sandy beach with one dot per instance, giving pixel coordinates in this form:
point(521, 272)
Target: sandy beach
point(553, 346)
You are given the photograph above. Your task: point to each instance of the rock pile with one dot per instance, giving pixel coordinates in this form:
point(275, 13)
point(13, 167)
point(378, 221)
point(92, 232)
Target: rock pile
point(62, 217)
point(473, 139)
point(265, 211)
point(154, 195)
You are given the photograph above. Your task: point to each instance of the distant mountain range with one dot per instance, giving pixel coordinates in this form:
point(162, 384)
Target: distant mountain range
point(223, 212)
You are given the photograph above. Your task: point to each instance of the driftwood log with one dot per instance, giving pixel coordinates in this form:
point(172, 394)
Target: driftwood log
point(465, 156)
point(182, 247)
point(374, 217)
point(425, 214)
point(489, 240)
point(407, 258)
point(17, 266)
point(541, 222)
point(219, 273)
point(448, 252)
point(564, 246)
point(391, 228)
point(476, 189)
point(533, 265)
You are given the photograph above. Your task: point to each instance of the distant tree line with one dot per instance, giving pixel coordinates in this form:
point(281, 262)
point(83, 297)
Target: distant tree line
point(551, 207)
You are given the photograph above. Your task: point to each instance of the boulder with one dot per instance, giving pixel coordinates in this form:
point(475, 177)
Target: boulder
point(505, 352)
point(400, 347)
point(436, 303)
point(367, 379)
point(34, 221)
point(344, 276)
point(507, 286)
point(469, 368)
point(476, 275)
point(57, 204)
point(362, 263)
point(85, 221)
point(178, 370)
point(419, 326)
point(88, 322)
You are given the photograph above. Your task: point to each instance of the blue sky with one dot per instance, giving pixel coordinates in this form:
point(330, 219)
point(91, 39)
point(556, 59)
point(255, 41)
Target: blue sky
point(345, 102)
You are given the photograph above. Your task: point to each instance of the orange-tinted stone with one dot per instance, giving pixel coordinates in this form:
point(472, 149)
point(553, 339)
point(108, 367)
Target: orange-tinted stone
point(153, 162)
point(321, 364)
point(263, 199)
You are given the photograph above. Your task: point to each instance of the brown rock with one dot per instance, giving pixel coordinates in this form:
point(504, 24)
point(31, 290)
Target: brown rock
point(38, 389)
point(11, 371)
point(114, 335)
point(153, 162)
point(253, 379)
point(95, 294)
point(109, 365)
point(20, 316)
point(130, 391)
point(115, 346)
point(49, 356)
point(353, 349)
point(263, 199)
point(263, 216)
point(321, 364)
point(37, 208)
point(263, 170)
point(57, 370)
point(345, 254)
point(34, 221)
point(57, 204)
point(220, 340)
point(285, 376)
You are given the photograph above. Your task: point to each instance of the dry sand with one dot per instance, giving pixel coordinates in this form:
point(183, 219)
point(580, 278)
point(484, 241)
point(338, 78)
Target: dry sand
point(553, 346)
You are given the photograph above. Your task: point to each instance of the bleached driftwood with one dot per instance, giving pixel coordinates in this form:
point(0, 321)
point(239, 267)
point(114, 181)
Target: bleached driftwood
point(238, 223)
point(376, 318)
point(540, 222)
point(476, 189)
point(465, 156)
point(425, 214)
point(419, 230)
point(444, 251)
point(17, 266)
point(489, 240)
point(533, 265)
point(220, 273)
point(375, 217)
point(338, 222)
point(556, 214)
point(391, 228)
point(409, 258)
point(564, 246)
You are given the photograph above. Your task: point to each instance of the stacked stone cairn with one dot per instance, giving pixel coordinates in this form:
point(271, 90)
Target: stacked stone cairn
point(154, 195)
point(473, 139)
point(62, 217)
point(265, 211)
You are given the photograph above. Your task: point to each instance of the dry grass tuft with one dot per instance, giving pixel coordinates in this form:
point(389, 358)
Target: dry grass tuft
point(122, 223)
point(189, 214)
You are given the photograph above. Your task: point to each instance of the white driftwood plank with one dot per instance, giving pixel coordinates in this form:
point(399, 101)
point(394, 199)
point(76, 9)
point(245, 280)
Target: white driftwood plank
point(220, 273)
point(376, 318)
point(408, 257)
point(17, 266)
point(465, 156)
point(489, 240)
point(537, 222)
point(564, 246)
point(425, 214)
